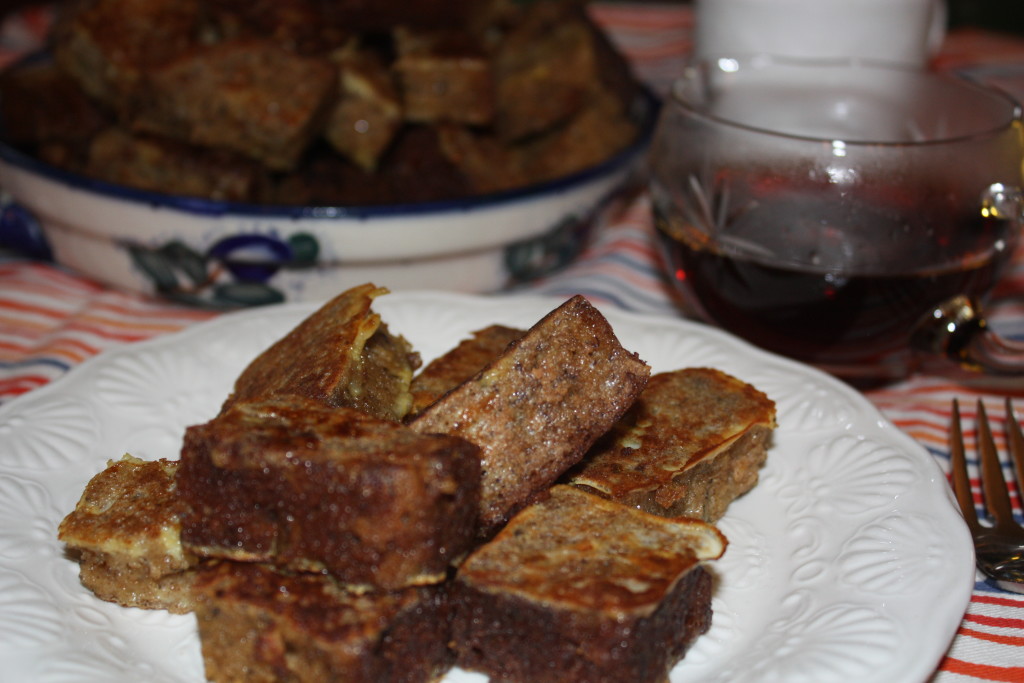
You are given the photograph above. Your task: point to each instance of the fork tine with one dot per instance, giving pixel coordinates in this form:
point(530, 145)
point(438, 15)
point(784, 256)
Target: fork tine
point(1015, 442)
point(997, 498)
point(958, 468)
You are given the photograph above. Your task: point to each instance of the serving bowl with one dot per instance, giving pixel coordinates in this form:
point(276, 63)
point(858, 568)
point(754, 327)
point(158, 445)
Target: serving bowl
point(229, 254)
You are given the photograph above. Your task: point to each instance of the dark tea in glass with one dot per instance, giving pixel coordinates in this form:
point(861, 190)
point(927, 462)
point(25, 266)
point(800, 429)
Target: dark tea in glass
point(828, 239)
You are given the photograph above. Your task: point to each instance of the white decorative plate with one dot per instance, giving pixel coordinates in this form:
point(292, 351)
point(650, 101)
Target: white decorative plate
point(848, 562)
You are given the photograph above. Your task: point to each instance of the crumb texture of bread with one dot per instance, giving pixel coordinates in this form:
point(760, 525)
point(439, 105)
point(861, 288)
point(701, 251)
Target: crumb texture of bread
point(301, 485)
point(451, 369)
point(693, 442)
point(125, 530)
point(248, 95)
point(580, 588)
point(536, 409)
point(341, 355)
point(260, 625)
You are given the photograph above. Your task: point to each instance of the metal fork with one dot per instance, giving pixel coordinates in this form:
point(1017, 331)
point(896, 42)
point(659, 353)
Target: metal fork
point(998, 543)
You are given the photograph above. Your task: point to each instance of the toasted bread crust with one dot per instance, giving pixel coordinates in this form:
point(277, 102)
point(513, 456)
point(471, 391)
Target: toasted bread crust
point(693, 442)
point(257, 624)
point(125, 530)
point(536, 409)
point(312, 488)
point(580, 588)
point(451, 369)
point(342, 355)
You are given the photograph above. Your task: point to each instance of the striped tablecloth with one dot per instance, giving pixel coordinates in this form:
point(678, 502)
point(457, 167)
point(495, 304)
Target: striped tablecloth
point(51, 320)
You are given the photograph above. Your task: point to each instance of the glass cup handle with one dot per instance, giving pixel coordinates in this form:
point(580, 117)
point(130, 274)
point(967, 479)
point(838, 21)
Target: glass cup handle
point(957, 330)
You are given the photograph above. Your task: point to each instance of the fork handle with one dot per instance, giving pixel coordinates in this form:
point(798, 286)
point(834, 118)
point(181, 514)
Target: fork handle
point(957, 330)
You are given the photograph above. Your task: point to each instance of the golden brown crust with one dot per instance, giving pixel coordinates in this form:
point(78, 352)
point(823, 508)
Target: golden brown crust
point(537, 408)
point(693, 442)
point(125, 531)
point(249, 96)
point(257, 624)
point(580, 588)
point(313, 488)
point(451, 369)
point(341, 355)
point(577, 551)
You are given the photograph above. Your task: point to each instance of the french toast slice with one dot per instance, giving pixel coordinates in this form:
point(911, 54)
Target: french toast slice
point(125, 532)
point(536, 409)
point(308, 487)
point(248, 95)
point(693, 442)
point(261, 625)
point(580, 588)
point(459, 364)
point(341, 355)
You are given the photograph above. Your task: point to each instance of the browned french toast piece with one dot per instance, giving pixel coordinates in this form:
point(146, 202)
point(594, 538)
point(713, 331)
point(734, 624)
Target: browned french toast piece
point(536, 409)
point(125, 533)
point(367, 114)
point(164, 165)
point(299, 26)
point(107, 46)
point(693, 442)
point(249, 96)
point(340, 355)
point(444, 75)
point(259, 625)
point(309, 487)
point(550, 65)
point(580, 588)
point(451, 369)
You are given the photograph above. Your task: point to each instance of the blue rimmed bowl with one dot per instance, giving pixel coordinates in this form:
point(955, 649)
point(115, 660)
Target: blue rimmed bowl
point(226, 254)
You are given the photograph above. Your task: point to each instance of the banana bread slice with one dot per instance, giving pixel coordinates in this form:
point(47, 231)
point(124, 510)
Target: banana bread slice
point(342, 355)
point(125, 532)
point(579, 588)
point(308, 487)
point(692, 443)
point(536, 409)
point(260, 625)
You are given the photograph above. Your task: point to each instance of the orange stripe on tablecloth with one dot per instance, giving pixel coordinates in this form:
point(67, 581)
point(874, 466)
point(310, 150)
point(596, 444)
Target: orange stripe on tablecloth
point(120, 333)
point(146, 309)
point(128, 330)
point(1003, 674)
point(993, 599)
point(21, 384)
point(22, 307)
point(23, 325)
point(1015, 641)
point(999, 622)
point(70, 350)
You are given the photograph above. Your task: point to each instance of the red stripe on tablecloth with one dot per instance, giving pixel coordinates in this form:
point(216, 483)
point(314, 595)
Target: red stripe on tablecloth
point(999, 622)
point(1003, 674)
point(1015, 641)
point(22, 384)
point(21, 306)
point(1001, 601)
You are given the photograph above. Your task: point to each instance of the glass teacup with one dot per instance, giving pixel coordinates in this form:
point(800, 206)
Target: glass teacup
point(835, 212)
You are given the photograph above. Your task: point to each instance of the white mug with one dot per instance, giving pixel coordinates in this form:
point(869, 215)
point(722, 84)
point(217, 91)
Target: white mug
point(907, 32)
